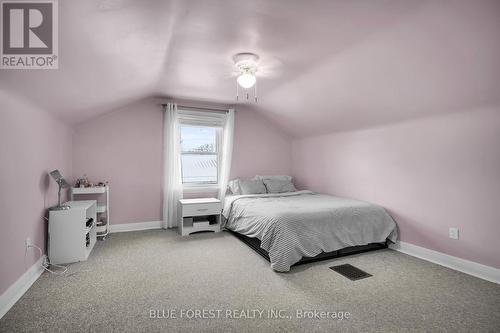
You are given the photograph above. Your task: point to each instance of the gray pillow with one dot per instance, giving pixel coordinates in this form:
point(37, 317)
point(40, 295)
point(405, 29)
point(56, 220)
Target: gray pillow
point(281, 177)
point(234, 186)
point(252, 186)
point(279, 186)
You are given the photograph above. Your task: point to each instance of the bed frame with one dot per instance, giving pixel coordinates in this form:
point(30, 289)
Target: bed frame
point(254, 243)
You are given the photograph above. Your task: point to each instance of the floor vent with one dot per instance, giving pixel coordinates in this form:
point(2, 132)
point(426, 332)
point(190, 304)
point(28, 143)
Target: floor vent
point(350, 272)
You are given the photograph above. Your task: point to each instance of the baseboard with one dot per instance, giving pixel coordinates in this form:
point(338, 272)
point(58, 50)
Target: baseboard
point(465, 266)
point(135, 226)
point(17, 290)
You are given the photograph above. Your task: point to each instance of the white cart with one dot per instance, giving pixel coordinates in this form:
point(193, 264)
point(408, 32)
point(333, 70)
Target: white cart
point(102, 225)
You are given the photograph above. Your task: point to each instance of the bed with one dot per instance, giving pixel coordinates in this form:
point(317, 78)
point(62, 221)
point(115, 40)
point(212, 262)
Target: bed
point(295, 225)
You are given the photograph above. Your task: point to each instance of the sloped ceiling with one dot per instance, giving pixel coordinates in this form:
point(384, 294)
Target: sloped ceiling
point(325, 65)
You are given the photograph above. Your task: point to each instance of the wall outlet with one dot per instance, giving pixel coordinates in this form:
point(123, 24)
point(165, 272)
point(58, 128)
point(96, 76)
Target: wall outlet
point(453, 233)
point(27, 243)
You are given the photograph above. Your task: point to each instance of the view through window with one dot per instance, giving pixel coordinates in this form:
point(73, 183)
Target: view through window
point(199, 154)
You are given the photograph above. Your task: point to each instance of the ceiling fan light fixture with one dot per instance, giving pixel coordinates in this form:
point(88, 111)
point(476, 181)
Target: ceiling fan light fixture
point(246, 80)
point(246, 66)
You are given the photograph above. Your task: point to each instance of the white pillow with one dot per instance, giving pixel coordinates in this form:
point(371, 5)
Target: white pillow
point(279, 185)
point(252, 186)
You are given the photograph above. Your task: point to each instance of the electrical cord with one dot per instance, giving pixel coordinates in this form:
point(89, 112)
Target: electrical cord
point(46, 263)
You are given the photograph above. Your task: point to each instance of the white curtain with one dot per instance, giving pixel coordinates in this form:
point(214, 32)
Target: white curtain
point(172, 183)
point(227, 153)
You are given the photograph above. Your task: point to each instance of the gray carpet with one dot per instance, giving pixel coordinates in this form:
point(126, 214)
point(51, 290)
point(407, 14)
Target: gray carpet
point(132, 273)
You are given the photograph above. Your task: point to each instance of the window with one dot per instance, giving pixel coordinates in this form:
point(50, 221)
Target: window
point(200, 147)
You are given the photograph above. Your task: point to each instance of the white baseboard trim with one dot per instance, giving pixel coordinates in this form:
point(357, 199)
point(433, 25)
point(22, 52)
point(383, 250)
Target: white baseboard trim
point(465, 266)
point(17, 290)
point(135, 226)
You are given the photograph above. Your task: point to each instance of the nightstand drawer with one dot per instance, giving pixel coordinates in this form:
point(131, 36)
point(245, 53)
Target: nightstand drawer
point(201, 209)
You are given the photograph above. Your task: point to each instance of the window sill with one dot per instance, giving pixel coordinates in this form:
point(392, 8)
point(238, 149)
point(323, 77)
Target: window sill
point(200, 188)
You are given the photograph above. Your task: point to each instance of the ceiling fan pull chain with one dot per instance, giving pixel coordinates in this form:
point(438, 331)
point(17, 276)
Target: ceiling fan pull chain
point(255, 92)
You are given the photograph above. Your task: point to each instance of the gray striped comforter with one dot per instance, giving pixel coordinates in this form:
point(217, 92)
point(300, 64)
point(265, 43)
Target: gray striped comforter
point(303, 224)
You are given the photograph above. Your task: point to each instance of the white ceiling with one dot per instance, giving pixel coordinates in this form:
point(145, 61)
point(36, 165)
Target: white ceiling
point(325, 65)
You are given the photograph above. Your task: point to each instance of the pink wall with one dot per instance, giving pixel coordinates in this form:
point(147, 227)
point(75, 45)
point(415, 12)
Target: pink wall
point(124, 147)
point(259, 146)
point(32, 143)
point(430, 174)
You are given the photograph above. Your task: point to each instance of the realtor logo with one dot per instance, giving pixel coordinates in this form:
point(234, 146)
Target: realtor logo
point(29, 34)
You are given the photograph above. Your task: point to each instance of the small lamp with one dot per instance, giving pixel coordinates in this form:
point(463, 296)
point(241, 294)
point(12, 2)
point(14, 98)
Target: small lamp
point(62, 183)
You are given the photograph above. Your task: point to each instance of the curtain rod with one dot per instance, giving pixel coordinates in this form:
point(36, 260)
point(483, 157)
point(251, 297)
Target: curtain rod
point(199, 108)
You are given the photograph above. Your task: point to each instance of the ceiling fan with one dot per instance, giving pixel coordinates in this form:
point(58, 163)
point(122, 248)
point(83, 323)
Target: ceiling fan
point(246, 67)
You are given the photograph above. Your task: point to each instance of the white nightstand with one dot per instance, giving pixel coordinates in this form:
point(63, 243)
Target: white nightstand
point(199, 215)
point(72, 232)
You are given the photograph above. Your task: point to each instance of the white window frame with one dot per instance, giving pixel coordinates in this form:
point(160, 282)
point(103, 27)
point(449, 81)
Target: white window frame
point(203, 119)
